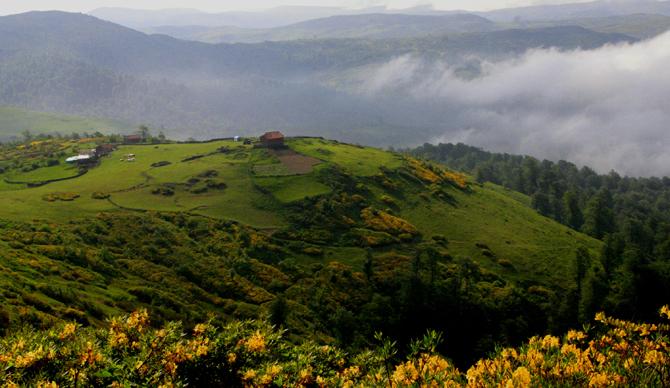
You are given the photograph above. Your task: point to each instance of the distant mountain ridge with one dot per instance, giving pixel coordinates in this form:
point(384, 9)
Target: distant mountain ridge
point(367, 26)
point(274, 17)
point(289, 15)
point(594, 9)
point(77, 64)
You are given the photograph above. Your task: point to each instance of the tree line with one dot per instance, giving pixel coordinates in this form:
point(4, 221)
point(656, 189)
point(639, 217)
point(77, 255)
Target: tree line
point(631, 215)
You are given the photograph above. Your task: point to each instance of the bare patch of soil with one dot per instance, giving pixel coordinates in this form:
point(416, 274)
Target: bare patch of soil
point(294, 162)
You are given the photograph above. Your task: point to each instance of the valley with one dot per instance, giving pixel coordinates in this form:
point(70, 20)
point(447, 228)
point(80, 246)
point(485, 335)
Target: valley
point(334, 195)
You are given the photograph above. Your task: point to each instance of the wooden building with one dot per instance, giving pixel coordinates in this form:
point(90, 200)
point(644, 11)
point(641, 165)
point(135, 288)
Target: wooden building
point(273, 140)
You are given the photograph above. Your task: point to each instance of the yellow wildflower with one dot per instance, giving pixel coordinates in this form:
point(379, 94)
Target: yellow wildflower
point(405, 374)
point(599, 380)
point(199, 329)
point(351, 372)
point(170, 368)
point(629, 363)
point(138, 320)
point(654, 357)
point(574, 335)
point(521, 377)
point(232, 357)
point(256, 343)
point(67, 332)
point(47, 384)
point(249, 375)
point(550, 342)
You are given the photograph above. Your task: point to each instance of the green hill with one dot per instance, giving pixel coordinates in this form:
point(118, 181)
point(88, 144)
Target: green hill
point(335, 241)
point(15, 121)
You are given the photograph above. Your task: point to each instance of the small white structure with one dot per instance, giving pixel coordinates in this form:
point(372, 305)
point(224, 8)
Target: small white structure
point(236, 138)
point(78, 158)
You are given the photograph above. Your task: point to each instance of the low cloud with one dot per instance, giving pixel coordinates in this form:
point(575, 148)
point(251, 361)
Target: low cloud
point(607, 108)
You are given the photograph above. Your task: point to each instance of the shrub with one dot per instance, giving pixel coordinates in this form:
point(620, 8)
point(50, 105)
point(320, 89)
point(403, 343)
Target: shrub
point(505, 263)
point(384, 222)
point(163, 190)
point(388, 200)
point(313, 251)
point(253, 353)
point(99, 195)
point(161, 164)
point(65, 197)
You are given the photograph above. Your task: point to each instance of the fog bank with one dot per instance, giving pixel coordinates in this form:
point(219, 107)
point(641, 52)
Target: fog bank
point(608, 108)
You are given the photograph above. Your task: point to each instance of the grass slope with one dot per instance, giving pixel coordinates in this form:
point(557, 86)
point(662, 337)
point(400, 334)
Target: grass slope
point(14, 121)
point(503, 235)
point(489, 224)
point(366, 241)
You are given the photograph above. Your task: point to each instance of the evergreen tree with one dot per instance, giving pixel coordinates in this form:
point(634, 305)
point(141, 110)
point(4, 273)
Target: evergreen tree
point(572, 213)
point(541, 203)
point(612, 253)
point(624, 296)
point(279, 311)
point(593, 293)
point(599, 218)
point(368, 266)
point(144, 132)
point(582, 262)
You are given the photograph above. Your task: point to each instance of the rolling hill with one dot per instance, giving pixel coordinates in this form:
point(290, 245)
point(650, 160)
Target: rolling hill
point(14, 122)
point(274, 17)
point(594, 9)
point(337, 231)
point(367, 26)
point(640, 26)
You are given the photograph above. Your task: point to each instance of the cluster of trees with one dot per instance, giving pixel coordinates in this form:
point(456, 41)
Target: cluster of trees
point(630, 215)
point(143, 130)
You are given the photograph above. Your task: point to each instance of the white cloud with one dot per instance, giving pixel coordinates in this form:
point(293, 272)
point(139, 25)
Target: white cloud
point(607, 108)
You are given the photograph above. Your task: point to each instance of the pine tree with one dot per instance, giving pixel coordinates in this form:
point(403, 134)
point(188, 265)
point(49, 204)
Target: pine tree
point(368, 266)
point(582, 263)
point(573, 215)
point(599, 218)
point(279, 311)
point(593, 293)
point(541, 202)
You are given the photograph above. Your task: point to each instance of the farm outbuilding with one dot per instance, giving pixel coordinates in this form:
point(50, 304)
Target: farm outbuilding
point(104, 149)
point(132, 139)
point(273, 140)
point(78, 158)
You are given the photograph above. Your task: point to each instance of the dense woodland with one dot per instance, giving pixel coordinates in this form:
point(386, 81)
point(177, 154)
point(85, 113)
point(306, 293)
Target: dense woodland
point(631, 215)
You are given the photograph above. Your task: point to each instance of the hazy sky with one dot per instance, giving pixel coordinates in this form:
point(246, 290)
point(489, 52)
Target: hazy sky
point(15, 6)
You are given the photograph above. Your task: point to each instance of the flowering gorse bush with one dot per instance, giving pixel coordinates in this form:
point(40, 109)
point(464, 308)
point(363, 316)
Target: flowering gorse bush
point(253, 353)
point(623, 354)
